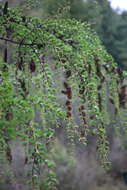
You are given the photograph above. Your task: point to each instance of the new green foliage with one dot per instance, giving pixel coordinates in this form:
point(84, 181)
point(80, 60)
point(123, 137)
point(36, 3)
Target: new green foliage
point(28, 86)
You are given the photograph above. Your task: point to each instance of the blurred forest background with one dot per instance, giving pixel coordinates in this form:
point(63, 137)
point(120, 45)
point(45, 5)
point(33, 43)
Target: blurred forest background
point(110, 25)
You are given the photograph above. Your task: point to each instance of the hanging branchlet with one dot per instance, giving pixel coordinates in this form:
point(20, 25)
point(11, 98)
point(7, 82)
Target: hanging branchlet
point(120, 74)
point(8, 153)
point(82, 110)
point(85, 128)
point(20, 63)
point(103, 146)
point(123, 96)
point(23, 87)
point(68, 93)
point(32, 66)
point(8, 117)
point(98, 70)
point(100, 102)
point(20, 59)
point(7, 146)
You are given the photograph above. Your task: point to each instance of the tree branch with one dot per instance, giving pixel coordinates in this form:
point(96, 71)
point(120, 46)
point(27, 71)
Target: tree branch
point(18, 43)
